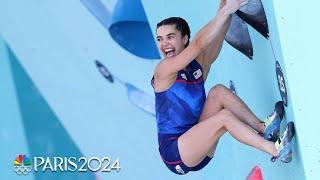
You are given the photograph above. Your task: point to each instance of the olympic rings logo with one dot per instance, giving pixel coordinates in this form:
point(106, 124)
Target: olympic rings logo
point(22, 169)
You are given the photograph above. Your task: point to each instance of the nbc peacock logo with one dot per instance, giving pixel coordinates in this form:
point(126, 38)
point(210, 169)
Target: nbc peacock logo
point(22, 165)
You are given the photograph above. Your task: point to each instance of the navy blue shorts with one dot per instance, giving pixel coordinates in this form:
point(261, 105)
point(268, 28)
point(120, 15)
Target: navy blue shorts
point(168, 148)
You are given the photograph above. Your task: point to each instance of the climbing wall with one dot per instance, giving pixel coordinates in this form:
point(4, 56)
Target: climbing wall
point(256, 82)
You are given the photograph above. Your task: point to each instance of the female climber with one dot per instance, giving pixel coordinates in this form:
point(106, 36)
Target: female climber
point(189, 123)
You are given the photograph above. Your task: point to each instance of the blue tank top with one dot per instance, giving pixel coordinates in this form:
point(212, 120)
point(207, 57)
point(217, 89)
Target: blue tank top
point(179, 107)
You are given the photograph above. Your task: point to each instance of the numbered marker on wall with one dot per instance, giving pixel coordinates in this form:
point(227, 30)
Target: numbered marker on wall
point(232, 87)
point(281, 84)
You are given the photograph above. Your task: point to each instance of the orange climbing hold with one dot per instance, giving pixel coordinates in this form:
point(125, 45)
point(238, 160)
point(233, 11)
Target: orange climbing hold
point(255, 174)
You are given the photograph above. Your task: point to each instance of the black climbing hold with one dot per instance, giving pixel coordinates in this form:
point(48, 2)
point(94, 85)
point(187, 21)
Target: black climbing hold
point(238, 36)
point(281, 84)
point(253, 13)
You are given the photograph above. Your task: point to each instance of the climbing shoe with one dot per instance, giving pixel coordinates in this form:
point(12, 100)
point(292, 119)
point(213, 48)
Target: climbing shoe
point(283, 144)
point(272, 123)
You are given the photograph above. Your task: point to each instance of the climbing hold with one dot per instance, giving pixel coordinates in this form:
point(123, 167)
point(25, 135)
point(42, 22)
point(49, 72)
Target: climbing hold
point(128, 26)
point(253, 13)
point(238, 36)
point(255, 174)
point(281, 84)
point(232, 87)
point(141, 99)
point(131, 30)
point(104, 71)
